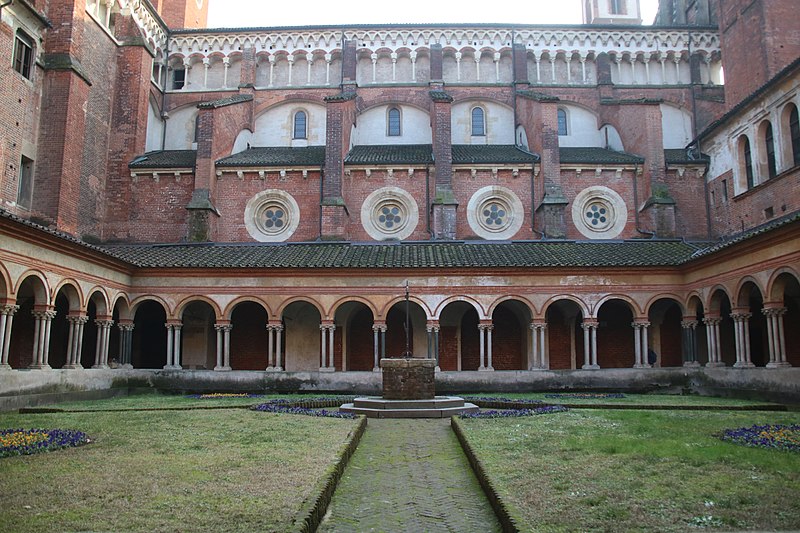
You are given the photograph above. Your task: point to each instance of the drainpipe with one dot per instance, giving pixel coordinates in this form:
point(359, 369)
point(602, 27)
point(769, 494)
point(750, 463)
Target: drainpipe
point(164, 92)
point(533, 203)
point(321, 181)
point(636, 204)
point(428, 205)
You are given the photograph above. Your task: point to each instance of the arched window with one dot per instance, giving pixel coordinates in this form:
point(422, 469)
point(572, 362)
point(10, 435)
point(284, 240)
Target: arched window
point(393, 123)
point(794, 134)
point(300, 130)
point(478, 122)
point(562, 122)
point(747, 157)
point(769, 142)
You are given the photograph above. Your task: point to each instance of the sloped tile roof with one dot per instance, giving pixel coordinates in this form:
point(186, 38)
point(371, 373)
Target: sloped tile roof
point(408, 255)
point(598, 156)
point(165, 159)
point(222, 102)
point(311, 156)
point(391, 154)
point(492, 153)
point(680, 156)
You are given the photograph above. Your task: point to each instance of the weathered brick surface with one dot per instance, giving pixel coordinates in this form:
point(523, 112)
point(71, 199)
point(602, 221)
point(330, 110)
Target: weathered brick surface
point(408, 379)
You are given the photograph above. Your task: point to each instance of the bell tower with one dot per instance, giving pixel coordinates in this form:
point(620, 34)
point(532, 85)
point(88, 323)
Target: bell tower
point(611, 12)
point(183, 13)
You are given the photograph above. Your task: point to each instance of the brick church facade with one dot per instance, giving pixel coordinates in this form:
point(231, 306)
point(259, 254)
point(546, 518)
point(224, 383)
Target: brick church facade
point(605, 195)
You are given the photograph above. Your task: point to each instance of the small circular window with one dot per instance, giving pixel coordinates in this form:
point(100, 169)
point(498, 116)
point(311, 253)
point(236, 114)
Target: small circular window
point(599, 213)
point(389, 213)
point(271, 216)
point(495, 213)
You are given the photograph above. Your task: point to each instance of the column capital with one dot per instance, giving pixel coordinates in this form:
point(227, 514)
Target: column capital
point(741, 315)
point(77, 319)
point(47, 314)
point(223, 327)
point(8, 309)
point(103, 323)
point(589, 323)
point(712, 320)
point(773, 311)
point(689, 324)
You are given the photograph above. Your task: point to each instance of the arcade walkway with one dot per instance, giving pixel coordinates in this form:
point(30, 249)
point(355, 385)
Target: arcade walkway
point(409, 475)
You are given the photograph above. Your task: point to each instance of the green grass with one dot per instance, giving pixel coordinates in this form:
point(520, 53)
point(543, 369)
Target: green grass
point(219, 470)
point(165, 401)
point(632, 399)
point(596, 470)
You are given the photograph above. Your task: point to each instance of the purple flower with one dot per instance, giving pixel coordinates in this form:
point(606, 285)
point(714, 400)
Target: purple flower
point(511, 413)
point(30, 441)
point(779, 437)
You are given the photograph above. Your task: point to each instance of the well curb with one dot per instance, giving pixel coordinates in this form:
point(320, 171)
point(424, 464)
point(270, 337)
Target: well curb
point(508, 523)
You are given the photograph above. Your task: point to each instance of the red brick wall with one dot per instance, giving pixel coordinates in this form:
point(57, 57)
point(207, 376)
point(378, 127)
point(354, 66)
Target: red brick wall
point(249, 337)
point(360, 353)
point(158, 208)
point(508, 341)
point(149, 336)
point(559, 340)
point(448, 348)
point(183, 13)
point(470, 342)
point(615, 336)
point(671, 338)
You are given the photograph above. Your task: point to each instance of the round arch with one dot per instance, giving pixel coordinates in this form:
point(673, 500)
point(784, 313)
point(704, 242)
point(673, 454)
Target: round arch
point(400, 299)
point(742, 295)
point(122, 305)
point(101, 303)
point(304, 299)
point(777, 282)
point(510, 298)
point(715, 296)
point(582, 306)
point(482, 313)
point(181, 307)
point(227, 312)
point(694, 304)
point(41, 290)
point(632, 304)
point(347, 299)
point(72, 291)
point(5, 283)
point(664, 296)
point(134, 305)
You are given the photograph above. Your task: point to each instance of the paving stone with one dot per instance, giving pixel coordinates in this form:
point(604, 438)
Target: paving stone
point(409, 475)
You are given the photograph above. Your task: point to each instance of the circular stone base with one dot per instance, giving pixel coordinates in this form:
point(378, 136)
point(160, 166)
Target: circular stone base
point(438, 407)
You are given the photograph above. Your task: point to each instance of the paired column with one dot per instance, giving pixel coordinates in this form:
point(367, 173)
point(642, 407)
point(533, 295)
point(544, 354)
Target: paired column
point(103, 336)
point(689, 341)
point(485, 335)
point(775, 336)
point(7, 313)
point(223, 347)
point(379, 344)
point(538, 338)
point(326, 332)
point(125, 344)
point(274, 345)
point(640, 343)
point(741, 323)
point(173, 346)
point(433, 342)
point(590, 344)
point(41, 339)
point(712, 338)
point(75, 341)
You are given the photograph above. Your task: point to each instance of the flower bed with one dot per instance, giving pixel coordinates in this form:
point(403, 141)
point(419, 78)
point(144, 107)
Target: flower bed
point(778, 437)
point(586, 395)
point(295, 410)
point(500, 399)
point(510, 413)
point(223, 395)
point(30, 441)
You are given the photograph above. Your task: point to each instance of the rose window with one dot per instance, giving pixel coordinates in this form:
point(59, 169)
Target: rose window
point(389, 213)
point(598, 215)
point(494, 214)
point(390, 217)
point(271, 216)
point(274, 218)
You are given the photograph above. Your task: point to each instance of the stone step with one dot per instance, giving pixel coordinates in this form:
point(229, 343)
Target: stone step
point(439, 402)
point(445, 412)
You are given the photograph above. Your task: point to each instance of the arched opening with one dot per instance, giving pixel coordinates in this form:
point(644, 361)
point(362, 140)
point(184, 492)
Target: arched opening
point(510, 336)
point(615, 340)
point(790, 132)
point(746, 162)
point(564, 335)
point(750, 298)
point(786, 288)
point(67, 299)
point(121, 335)
point(149, 348)
point(396, 330)
point(31, 294)
point(458, 337)
point(721, 306)
point(199, 338)
point(249, 337)
point(301, 322)
point(354, 347)
point(665, 334)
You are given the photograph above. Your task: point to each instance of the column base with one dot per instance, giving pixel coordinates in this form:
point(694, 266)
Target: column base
point(127, 366)
point(76, 366)
point(437, 369)
point(691, 364)
point(744, 365)
point(5, 367)
point(782, 364)
point(40, 367)
point(486, 369)
point(102, 367)
point(643, 365)
point(166, 367)
point(327, 369)
point(272, 369)
point(222, 369)
point(376, 369)
point(715, 365)
point(590, 367)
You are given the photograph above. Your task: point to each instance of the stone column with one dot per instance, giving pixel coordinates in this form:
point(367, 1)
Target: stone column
point(270, 348)
point(384, 327)
point(741, 320)
point(331, 360)
point(482, 351)
point(41, 340)
point(641, 345)
point(775, 336)
point(323, 348)
point(326, 333)
point(7, 313)
point(103, 338)
point(489, 330)
point(125, 343)
point(375, 344)
point(590, 344)
point(712, 334)
point(433, 343)
point(223, 347)
point(74, 342)
point(177, 354)
point(170, 340)
point(538, 344)
point(689, 332)
point(279, 347)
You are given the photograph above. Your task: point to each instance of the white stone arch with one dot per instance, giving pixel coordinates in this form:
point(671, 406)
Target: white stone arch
point(227, 312)
point(183, 304)
point(482, 312)
point(99, 296)
point(498, 121)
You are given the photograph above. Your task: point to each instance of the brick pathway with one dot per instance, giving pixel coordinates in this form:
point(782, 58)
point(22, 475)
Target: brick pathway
point(409, 475)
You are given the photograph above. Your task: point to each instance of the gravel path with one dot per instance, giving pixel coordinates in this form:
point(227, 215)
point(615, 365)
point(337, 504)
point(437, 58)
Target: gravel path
point(409, 475)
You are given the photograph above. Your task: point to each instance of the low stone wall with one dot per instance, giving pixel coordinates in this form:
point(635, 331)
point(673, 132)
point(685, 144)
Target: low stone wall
point(27, 388)
point(408, 379)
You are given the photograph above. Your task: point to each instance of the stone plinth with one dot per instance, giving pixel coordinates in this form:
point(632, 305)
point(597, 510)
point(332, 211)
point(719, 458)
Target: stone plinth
point(408, 379)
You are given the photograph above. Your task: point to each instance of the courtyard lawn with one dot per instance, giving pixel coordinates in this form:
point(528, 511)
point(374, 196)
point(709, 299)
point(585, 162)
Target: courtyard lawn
point(175, 401)
point(610, 470)
point(628, 399)
point(204, 470)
